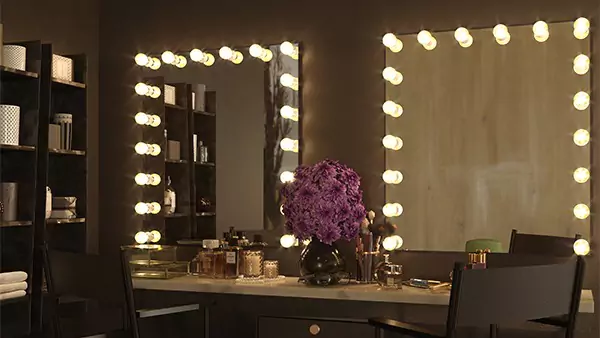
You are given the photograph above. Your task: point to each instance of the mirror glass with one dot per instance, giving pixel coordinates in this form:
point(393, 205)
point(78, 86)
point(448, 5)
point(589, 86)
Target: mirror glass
point(242, 135)
point(492, 135)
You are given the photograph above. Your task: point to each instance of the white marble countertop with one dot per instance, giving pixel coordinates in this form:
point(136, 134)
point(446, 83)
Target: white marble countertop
point(289, 287)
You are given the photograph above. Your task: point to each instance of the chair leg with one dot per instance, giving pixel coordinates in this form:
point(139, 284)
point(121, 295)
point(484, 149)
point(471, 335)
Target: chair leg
point(493, 331)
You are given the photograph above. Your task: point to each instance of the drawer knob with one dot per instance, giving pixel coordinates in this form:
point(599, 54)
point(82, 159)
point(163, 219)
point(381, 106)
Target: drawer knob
point(314, 329)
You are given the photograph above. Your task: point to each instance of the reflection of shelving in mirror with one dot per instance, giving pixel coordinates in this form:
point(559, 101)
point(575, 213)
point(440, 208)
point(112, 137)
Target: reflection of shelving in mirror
point(10, 147)
point(205, 164)
point(176, 161)
point(176, 215)
point(205, 113)
point(206, 214)
point(175, 107)
point(67, 152)
point(9, 74)
point(65, 220)
point(69, 83)
point(15, 223)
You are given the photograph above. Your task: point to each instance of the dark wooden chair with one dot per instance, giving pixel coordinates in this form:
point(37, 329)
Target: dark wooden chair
point(511, 295)
point(104, 285)
point(532, 244)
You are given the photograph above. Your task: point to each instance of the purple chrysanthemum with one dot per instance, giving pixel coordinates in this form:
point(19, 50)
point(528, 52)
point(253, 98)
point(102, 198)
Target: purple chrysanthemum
point(324, 201)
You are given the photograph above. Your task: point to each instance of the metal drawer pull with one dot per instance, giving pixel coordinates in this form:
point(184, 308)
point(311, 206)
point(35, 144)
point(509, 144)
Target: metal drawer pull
point(314, 329)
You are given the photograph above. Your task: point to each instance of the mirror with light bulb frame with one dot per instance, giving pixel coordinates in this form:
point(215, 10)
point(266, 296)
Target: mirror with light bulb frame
point(487, 130)
point(250, 123)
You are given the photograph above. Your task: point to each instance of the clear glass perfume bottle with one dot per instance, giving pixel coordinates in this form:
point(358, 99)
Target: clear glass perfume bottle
point(387, 274)
point(170, 198)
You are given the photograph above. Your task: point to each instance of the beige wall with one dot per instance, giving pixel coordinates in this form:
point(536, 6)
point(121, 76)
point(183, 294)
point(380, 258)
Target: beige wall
point(487, 134)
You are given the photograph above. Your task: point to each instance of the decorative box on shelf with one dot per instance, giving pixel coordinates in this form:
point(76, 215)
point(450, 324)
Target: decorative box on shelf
point(9, 124)
point(155, 261)
point(62, 68)
point(14, 56)
point(169, 94)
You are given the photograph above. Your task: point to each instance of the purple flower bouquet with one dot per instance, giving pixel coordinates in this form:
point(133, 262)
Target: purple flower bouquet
point(324, 201)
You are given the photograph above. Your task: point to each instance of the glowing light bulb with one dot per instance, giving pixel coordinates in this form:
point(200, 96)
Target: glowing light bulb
point(206, 59)
point(286, 177)
point(181, 61)
point(392, 75)
point(392, 177)
point(392, 42)
point(581, 211)
point(261, 53)
point(501, 34)
point(142, 148)
point(426, 40)
point(142, 59)
point(141, 237)
point(226, 53)
point(155, 236)
point(540, 31)
point(168, 57)
point(392, 142)
point(142, 208)
point(463, 37)
point(392, 243)
point(288, 80)
point(581, 28)
point(581, 64)
point(288, 112)
point(392, 108)
point(287, 144)
point(142, 89)
point(147, 179)
point(154, 92)
point(155, 64)
point(581, 247)
point(154, 208)
point(581, 101)
point(581, 137)
point(392, 210)
point(287, 241)
point(289, 49)
point(144, 119)
point(581, 175)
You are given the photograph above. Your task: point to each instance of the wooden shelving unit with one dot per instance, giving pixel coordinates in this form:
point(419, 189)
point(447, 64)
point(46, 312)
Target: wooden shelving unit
point(34, 167)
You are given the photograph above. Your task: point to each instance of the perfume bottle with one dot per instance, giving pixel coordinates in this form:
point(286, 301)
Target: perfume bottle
point(478, 260)
point(170, 198)
point(232, 259)
point(203, 150)
point(388, 275)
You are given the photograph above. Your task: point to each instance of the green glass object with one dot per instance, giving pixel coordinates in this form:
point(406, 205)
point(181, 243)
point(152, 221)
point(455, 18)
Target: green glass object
point(482, 244)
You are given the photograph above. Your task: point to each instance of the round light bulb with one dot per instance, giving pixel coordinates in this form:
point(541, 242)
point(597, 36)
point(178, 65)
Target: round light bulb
point(288, 80)
point(226, 53)
point(168, 57)
point(155, 236)
point(392, 142)
point(286, 177)
point(154, 208)
point(289, 49)
point(581, 101)
point(287, 241)
point(389, 243)
point(503, 42)
point(209, 60)
point(581, 247)
point(142, 59)
point(463, 37)
point(142, 118)
point(392, 209)
point(431, 45)
point(467, 43)
point(197, 55)
point(141, 237)
point(287, 144)
point(581, 64)
point(581, 175)
point(181, 61)
point(154, 121)
point(288, 112)
point(424, 37)
point(392, 177)
point(142, 179)
point(142, 208)
point(500, 32)
point(581, 137)
point(581, 28)
point(155, 150)
point(540, 31)
point(392, 75)
point(155, 64)
point(581, 211)
point(155, 179)
point(142, 148)
point(399, 241)
point(392, 42)
point(155, 92)
point(142, 89)
point(256, 50)
point(392, 108)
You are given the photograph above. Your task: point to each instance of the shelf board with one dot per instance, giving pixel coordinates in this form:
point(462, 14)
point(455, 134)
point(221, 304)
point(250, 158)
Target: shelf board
point(206, 214)
point(69, 83)
point(67, 152)
point(14, 73)
point(16, 148)
point(176, 161)
point(4, 224)
point(65, 220)
point(205, 113)
point(205, 164)
point(176, 215)
point(175, 106)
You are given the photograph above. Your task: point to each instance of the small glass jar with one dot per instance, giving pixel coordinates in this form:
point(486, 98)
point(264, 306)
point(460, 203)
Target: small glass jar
point(389, 275)
point(271, 269)
point(252, 261)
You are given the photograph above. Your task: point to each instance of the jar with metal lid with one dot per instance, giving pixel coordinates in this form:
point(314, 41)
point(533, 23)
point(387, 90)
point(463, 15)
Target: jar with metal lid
point(389, 275)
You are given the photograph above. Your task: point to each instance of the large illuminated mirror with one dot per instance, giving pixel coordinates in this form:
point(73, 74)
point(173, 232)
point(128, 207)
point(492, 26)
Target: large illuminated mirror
point(235, 118)
point(488, 131)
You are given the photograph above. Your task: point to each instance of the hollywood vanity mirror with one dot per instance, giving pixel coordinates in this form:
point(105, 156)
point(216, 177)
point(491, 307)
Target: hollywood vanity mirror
point(229, 129)
point(487, 130)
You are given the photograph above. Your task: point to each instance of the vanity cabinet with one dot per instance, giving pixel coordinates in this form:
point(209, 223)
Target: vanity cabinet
point(275, 327)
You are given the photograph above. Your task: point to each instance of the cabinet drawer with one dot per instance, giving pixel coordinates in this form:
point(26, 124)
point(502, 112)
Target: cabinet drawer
point(274, 327)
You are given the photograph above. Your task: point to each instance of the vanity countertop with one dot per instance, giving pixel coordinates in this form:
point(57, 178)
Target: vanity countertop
point(289, 287)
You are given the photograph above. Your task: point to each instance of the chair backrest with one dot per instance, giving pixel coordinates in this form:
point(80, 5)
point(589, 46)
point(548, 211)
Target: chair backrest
point(515, 295)
point(541, 244)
